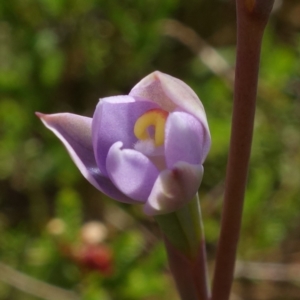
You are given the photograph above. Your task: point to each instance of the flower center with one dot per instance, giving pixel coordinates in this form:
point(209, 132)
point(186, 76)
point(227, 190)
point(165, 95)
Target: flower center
point(152, 119)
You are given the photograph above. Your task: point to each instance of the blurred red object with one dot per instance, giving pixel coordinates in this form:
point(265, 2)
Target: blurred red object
point(90, 257)
point(95, 257)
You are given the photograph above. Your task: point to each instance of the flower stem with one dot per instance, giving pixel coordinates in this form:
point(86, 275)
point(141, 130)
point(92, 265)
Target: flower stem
point(252, 16)
point(185, 244)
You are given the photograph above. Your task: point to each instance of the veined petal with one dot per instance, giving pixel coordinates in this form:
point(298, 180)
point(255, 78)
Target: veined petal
point(114, 121)
point(150, 88)
point(74, 131)
point(174, 188)
point(131, 171)
point(183, 96)
point(186, 139)
point(170, 93)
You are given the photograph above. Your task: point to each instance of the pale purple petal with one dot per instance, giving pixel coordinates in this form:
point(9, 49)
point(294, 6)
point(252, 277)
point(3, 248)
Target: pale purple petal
point(132, 172)
point(74, 131)
point(170, 93)
point(186, 139)
point(150, 88)
point(174, 188)
point(114, 121)
point(182, 95)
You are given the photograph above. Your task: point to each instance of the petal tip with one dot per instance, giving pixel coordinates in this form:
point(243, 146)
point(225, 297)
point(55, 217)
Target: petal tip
point(39, 114)
point(158, 75)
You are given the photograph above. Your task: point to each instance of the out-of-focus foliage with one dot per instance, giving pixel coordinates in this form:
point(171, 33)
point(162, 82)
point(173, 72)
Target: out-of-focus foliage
point(62, 55)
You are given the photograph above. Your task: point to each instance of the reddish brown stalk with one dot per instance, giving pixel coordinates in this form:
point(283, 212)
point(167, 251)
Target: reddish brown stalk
point(190, 274)
point(252, 16)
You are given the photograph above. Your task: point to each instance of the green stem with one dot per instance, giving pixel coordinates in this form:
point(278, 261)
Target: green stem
point(185, 244)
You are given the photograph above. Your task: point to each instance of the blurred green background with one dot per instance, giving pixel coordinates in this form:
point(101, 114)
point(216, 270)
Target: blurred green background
point(59, 237)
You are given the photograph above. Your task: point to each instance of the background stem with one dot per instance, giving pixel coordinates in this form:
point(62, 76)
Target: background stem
point(251, 24)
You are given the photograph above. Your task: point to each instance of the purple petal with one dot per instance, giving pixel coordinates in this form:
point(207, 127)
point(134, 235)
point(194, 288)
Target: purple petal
point(170, 93)
point(150, 88)
point(131, 171)
point(183, 96)
point(174, 188)
point(186, 139)
point(75, 133)
point(114, 121)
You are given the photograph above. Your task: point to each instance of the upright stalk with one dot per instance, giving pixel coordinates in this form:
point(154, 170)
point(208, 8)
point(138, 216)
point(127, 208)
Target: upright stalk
point(185, 244)
point(252, 16)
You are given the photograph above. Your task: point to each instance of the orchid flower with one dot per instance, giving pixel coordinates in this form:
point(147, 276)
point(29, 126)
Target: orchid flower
point(147, 147)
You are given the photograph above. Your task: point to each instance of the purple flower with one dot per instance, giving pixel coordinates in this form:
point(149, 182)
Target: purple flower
point(147, 147)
